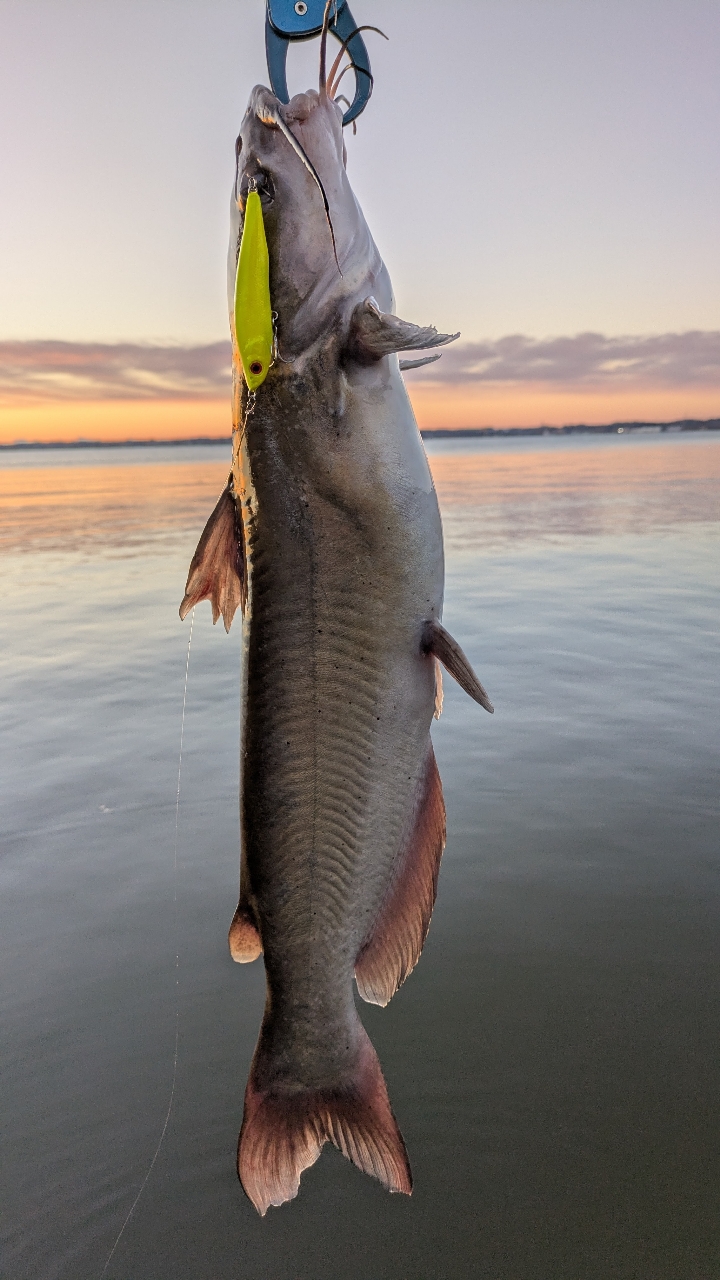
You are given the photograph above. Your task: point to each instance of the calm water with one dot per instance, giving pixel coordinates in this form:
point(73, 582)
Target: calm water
point(554, 1061)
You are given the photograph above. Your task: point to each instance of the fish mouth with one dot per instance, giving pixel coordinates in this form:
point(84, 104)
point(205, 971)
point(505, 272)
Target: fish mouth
point(267, 109)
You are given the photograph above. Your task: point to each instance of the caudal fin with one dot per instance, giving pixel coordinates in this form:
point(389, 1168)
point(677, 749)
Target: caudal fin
point(284, 1130)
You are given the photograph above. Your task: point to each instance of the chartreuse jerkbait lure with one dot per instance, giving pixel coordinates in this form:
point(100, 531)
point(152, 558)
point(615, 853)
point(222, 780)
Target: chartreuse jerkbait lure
point(253, 312)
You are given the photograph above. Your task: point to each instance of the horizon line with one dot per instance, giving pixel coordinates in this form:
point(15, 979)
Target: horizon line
point(431, 433)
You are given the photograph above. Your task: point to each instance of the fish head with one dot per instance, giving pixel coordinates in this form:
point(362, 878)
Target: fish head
point(322, 257)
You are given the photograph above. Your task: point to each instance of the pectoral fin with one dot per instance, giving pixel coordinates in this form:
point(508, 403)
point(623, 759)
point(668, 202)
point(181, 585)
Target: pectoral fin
point(217, 570)
point(405, 365)
point(439, 642)
point(374, 334)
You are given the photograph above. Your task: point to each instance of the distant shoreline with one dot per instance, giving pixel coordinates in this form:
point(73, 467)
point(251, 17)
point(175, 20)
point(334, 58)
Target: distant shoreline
point(452, 433)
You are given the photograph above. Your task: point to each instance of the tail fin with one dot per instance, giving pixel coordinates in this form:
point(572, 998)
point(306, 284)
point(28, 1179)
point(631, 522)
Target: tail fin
point(284, 1130)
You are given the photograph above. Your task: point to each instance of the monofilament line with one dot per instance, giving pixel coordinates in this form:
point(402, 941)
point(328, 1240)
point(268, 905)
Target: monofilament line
point(146, 1179)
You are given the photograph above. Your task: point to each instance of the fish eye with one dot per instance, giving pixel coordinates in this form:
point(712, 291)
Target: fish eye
point(259, 181)
point(256, 367)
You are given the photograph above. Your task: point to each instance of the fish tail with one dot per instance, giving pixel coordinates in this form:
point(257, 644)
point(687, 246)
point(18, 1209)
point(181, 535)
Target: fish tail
point(284, 1130)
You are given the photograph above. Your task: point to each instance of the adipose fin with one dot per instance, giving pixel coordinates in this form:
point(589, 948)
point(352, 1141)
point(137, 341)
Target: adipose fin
point(244, 939)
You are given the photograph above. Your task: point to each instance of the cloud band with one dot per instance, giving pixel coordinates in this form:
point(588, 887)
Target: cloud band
point(72, 371)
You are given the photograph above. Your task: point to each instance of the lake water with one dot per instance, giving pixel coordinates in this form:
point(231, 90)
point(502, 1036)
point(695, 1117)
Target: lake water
point(554, 1060)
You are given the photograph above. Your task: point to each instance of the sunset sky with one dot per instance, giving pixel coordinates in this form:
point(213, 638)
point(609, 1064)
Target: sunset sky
point(543, 175)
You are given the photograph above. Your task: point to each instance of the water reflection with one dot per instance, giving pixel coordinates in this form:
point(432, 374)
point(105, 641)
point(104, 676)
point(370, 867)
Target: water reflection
point(577, 486)
point(554, 1058)
point(494, 492)
point(100, 504)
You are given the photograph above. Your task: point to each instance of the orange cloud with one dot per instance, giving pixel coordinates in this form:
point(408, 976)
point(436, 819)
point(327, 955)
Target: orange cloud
point(534, 405)
point(436, 407)
point(63, 391)
point(112, 420)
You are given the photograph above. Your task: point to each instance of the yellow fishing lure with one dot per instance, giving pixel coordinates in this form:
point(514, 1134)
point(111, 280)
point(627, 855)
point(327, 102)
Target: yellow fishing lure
point(253, 312)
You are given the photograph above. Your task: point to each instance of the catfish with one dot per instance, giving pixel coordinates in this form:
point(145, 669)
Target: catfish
point(329, 540)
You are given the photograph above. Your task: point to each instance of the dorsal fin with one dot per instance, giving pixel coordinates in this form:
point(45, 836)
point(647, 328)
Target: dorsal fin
point(374, 333)
point(438, 641)
point(396, 940)
point(217, 570)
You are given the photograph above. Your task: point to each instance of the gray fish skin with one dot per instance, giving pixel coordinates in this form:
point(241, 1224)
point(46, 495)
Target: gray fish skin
point(344, 556)
point(341, 808)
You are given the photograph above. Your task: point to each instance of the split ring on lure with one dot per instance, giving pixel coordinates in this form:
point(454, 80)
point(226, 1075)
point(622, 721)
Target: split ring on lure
point(253, 313)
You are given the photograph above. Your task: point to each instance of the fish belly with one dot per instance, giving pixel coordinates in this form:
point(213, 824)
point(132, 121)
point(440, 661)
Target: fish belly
point(338, 701)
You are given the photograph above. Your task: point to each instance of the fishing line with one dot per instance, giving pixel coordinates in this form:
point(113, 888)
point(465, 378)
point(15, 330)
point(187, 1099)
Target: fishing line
point(146, 1179)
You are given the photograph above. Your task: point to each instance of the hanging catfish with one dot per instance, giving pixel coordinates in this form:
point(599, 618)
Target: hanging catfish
point(330, 529)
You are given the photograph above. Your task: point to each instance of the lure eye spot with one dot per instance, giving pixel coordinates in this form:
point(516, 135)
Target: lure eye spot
point(256, 367)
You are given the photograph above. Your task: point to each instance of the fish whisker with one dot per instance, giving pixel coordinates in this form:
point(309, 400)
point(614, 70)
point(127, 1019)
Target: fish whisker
point(268, 114)
point(352, 66)
point(323, 47)
point(332, 84)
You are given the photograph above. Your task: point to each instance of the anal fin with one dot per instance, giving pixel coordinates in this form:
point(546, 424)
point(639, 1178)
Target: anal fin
point(217, 570)
point(394, 945)
point(439, 642)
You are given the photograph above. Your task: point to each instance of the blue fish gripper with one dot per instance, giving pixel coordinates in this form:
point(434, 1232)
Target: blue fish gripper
point(288, 20)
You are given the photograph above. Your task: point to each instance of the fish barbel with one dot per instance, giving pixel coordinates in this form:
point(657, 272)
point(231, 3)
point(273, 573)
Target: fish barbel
point(328, 536)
